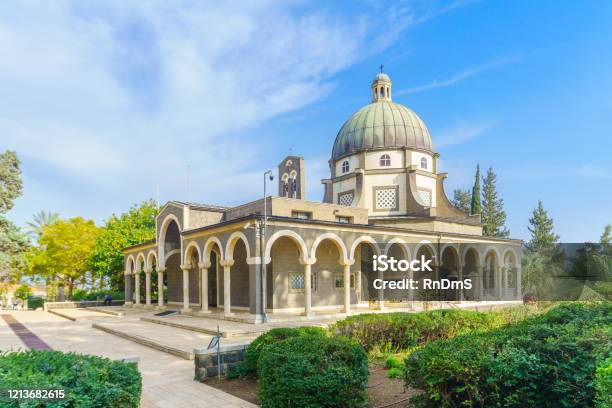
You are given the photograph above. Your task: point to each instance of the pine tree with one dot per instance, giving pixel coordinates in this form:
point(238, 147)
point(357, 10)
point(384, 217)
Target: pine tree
point(541, 229)
point(461, 200)
point(493, 214)
point(606, 237)
point(475, 207)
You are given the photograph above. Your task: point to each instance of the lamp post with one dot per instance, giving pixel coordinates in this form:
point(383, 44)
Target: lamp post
point(262, 240)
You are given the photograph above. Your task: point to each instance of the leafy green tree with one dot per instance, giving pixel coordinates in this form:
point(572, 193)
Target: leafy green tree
point(461, 200)
point(39, 221)
point(475, 207)
point(130, 228)
point(13, 243)
point(13, 247)
point(23, 291)
point(541, 229)
point(10, 180)
point(493, 214)
point(65, 247)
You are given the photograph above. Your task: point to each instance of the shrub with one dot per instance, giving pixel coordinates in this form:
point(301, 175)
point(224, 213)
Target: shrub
point(253, 351)
point(544, 361)
point(392, 362)
point(313, 371)
point(603, 385)
point(83, 295)
point(34, 302)
point(401, 331)
point(395, 372)
point(88, 381)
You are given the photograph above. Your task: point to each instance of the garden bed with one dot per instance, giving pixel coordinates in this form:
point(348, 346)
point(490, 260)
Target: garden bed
point(382, 390)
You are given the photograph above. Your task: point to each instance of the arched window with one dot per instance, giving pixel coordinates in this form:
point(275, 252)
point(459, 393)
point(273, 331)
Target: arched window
point(382, 91)
point(387, 92)
point(385, 160)
point(423, 162)
point(345, 166)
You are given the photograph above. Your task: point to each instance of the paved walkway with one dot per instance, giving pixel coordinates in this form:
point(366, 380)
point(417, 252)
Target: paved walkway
point(167, 380)
point(28, 338)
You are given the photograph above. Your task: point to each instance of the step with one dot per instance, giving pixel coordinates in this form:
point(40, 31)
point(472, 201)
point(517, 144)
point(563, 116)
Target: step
point(78, 314)
point(186, 353)
point(208, 326)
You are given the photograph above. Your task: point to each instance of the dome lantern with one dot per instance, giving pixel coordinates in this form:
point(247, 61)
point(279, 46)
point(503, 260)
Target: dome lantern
point(381, 87)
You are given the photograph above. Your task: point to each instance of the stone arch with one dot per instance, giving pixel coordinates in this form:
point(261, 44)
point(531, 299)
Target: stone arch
point(430, 248)
point(192, 246)
point(342, 251)
point(402, 244)
point(364, 238)
point(491, 265)
point(166, 224)
point(208, 248)
point(510, 262)
point(140, 261)
point(449, 256)
point(151, 256)
point(491, 249)
point(293, 236)
point(469, 248)
point(231, 244)
point(130, 264)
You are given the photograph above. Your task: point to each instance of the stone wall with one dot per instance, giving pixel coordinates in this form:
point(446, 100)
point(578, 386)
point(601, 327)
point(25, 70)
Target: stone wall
point(205, 360)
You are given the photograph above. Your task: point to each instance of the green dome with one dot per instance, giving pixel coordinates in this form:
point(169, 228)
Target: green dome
point(381, 125)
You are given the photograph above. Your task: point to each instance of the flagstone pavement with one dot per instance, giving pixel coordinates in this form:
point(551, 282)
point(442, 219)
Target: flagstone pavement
point(167, 380)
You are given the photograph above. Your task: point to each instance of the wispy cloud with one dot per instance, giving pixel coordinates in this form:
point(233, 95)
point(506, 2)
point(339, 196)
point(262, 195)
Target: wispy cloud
point(463, 75)
point(461, 132)
point(114, 97)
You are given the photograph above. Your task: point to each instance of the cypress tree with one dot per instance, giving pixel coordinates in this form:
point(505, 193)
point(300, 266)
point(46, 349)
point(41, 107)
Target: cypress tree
point(461, 200)
point(493, 214)
point(541, 229)
point(475, 208)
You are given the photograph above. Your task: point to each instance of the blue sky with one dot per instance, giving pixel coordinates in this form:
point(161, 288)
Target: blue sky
point(105, 101)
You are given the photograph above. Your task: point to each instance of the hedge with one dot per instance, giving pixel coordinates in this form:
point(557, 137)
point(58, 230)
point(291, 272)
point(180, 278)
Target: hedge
point(253, 351)
point(313, 372)
point(401, 330)
point(88, 381)
point(544, 361)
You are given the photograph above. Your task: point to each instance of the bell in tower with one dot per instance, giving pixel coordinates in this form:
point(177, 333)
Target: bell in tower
point(291, 178)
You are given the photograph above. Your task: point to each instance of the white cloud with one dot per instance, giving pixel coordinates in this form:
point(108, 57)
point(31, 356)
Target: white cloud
point(114, 97)
point(463, 75)
point(459, 133)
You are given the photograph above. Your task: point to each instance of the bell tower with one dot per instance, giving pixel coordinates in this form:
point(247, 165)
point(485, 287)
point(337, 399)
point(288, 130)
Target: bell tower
point(291, 178)
point(381, 87)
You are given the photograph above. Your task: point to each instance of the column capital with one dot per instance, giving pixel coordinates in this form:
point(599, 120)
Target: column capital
point(186, 267)
point(126, 272)
point(148, 270)
point(204, 264)
point(160, 270)
point(227, 262)
point(347, 262)
point(307, 261)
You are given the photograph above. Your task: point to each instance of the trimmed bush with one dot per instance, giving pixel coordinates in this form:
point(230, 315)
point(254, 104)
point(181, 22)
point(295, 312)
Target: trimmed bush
point(253, 351)
point(603, 385)
point(88, 381)
point(313, 372)
point(34, 302)
point(544, 361)
point(83, 295)
point(401, 331)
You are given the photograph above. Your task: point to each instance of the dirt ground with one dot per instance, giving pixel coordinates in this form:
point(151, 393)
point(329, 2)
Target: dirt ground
point(383, 392)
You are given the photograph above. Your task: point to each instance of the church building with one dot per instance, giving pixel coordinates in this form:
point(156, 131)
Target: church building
point(286, 256)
